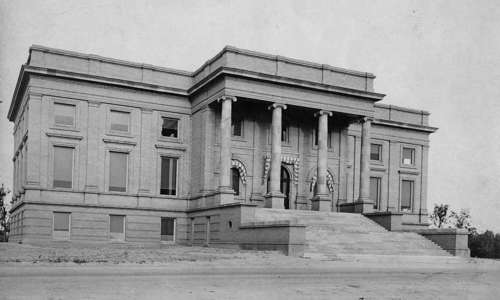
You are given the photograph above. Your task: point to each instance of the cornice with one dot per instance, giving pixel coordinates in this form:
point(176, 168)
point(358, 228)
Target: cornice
point(427, 129)
point(221, 71)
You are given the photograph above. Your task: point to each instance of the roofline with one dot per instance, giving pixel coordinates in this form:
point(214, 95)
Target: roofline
point(198, 70)
point(109, 59)
point(400, 108)
point(283, 59)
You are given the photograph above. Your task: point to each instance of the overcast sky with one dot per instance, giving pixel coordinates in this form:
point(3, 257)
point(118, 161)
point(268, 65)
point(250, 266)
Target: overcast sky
point(440, 56)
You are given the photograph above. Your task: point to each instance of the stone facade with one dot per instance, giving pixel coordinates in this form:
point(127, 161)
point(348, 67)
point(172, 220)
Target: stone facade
point(280, 161)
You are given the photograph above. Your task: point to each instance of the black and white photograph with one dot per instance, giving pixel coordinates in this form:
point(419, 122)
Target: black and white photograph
point(249, 149)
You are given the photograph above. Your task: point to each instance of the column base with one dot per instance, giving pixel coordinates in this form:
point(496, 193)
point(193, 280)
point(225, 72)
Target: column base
point(274, 200)
point(363, 206)
point(321, 203)
point(224, 195)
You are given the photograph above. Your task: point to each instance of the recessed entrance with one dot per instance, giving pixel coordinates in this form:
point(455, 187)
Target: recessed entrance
point(285, 186)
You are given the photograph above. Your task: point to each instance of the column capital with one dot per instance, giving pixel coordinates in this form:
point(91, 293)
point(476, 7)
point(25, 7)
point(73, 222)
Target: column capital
point(224, 98)
point(323, 112)
point(365, 120)
point(275, 105)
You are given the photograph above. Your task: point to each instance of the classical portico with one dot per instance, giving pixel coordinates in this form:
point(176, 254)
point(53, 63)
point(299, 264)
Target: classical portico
point(321, 200)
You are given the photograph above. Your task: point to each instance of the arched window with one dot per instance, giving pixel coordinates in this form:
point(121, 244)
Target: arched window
point(235, 180)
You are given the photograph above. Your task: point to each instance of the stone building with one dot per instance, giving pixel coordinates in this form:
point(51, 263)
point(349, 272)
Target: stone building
point(106, 149)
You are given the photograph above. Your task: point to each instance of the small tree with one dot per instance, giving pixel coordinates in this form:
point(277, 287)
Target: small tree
point(462, 220)
point(4, 226)
point(439, 216)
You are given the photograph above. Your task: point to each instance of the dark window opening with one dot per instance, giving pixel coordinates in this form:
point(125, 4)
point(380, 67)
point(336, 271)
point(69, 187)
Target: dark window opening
point(168, 184)
point(375, 152)
point(375, 191)
point(235, 181)
point(118, 171)
point(169, 127)
point(406, 194)
point(167, 229)
point(236, 126)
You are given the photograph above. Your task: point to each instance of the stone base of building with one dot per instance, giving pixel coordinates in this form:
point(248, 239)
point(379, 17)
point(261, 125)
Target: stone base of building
point(274, 200)
point(321, 203)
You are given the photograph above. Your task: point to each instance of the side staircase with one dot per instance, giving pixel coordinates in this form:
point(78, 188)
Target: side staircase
point(332, 235)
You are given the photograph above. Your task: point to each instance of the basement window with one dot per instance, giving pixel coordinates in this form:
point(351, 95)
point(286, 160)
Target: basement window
point(61, 226)
point(167, 229)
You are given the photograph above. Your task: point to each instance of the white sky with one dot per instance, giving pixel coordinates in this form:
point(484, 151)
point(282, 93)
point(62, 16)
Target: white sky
point(441, 56)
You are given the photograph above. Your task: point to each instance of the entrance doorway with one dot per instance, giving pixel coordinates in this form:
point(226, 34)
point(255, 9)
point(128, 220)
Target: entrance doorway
point(284, 186)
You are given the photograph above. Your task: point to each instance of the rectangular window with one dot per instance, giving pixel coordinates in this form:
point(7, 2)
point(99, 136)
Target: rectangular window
point(168, 184)
point(406, 194)
point(169, 127)
point(167, 229)
point(408, 156)
point(63, 167)
point(119, 121)
point(118, 171)
point(117, 227)
point(61, 228)
point(285, 132)
point(375, 191)
point(64, 115)
point(376, 152)
point(237, 126)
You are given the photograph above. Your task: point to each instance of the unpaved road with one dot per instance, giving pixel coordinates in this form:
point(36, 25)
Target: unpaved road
point(320, 280)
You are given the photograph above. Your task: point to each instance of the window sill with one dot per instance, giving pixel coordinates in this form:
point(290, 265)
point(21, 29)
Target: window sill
point(167, 196)
point(238, 138)
point(64, 128)
point(170, 139)
point(120, 134)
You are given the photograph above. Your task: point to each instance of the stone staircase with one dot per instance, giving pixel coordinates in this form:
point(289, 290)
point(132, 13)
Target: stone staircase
point(332, 235)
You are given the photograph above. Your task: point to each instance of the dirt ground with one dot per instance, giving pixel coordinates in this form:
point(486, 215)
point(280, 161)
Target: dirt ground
point(177, 272)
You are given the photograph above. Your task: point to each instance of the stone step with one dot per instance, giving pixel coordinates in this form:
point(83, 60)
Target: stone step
point(330, 234)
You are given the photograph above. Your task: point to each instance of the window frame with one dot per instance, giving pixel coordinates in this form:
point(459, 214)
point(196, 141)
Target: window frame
point(177, 159)
point(52, 178)
point(412, 195)
point(116, 236)
point(174, 236)
point(380, 154)
point(378, 201)
point(159, 119)
point(64, 101)
point(162, 117)
point(108, 164)
point(61, 235)
point(413, 156)
point(242, 127)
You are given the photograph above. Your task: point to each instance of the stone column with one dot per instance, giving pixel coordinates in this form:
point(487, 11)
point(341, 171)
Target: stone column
point(225, 192)
point(321, 201)
point(275, 199)
point(364, 204)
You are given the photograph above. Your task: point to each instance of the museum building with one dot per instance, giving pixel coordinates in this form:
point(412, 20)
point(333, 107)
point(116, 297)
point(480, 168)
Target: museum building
point(110, 150)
